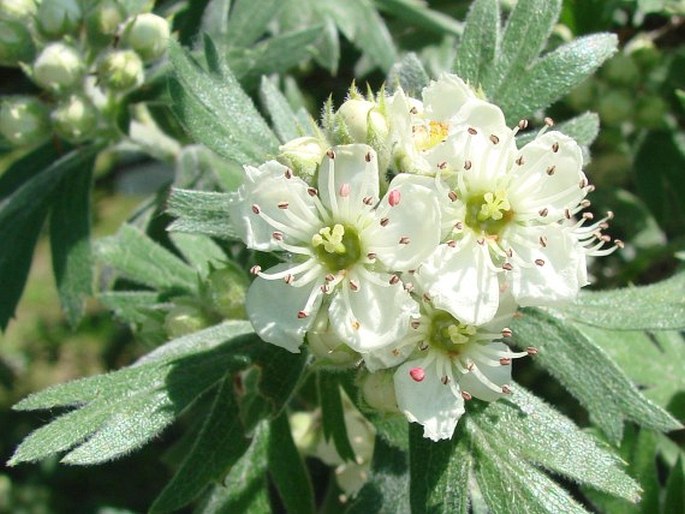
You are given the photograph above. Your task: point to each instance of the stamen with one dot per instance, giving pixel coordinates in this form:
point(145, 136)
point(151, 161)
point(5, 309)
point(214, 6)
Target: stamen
point(555, 147)
point(540, 262)
point(543, 212)
point(494, 139)
point(384, 221)
point(394, 197)
point(523, 124)
point(344, 191)
point(543, 241)
point(288, 173)
point(394, 279)
point(312, 191)
point(466, 396)
point(549, 121)
point(330, 154)
point(368, 200)
point(302, 314)
point(452, 195)
point(354, 285)
point(531, 350)
point(283, 205)
point(445, 380)
point(467, 165)
point(404, 240)
point(550, 170)
point(278, 236)
point(505, 361)
point(255, 208)
point(506, 389)
point(472, 131)
point(368, 157)
point(417, 374)
point(256, 269)
point(507, 266)
point(520, 160)
point(506, 332)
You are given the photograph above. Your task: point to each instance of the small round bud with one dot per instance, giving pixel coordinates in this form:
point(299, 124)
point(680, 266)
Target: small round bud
point(18, 10)
point(58, 68)
point(361, 121)
point(121, 70)
point(103, 20)
point(303, 155)
point(147, 34)
point(226, 291)
point(378, 390)
point(16, 44)
point(24, 120)
point(59, 17)
point(327, 346)
point(183, 320)
point(75, 118)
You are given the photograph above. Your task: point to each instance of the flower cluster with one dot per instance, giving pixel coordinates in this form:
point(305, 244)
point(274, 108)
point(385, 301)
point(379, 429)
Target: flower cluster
point(410, 231)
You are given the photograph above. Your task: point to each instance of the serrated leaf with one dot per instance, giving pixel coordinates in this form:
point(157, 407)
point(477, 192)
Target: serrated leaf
point(387, 488)
point(282, 115)
point(554, 75)
point(409, 74)
point(129, 306)
point(439, 473)
point(200, 212)
point(249, 19)
point(287, 469)
point(525, 425)
point(333, 415)
point(219, 445)
point(658, 306)
point(198, 250)
point(586, 371)
point(139, 258)
point(479, 43)
point(70, 240)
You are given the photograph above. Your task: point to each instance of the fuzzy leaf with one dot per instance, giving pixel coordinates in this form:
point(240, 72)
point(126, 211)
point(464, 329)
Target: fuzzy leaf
point(282, 115)
point(418, 14)
point(409, 74)
point(248, 20)
point(479, 43)
point(333, 415)
point(129, 306)
point(200, 212)
point(199, 251)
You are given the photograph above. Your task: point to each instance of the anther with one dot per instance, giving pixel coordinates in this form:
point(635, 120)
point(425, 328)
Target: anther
point(510, 252)
point(395, 352)
point(256, 269)
point(588, 216)
point(467, 165)
point(520, 160)
point(354, 285)
point(610, 215)
point(585, 203)
point(472, 131)
point(288, 279)
point(549, 121)
point(452, 196)
point(481, 241)
point(394, 197)
point(404, 240)
point(555, 147)
point(531, 350)
point(384, 221)
point(423, 346)
point(302, 314)
point(344, 190)
point(324, 288)
point(368, 200)
point(506, 389)
point(367, 157)
point(506, 332)
point(504, 361)
point(394, 279)
point(413, 110)
point(523, 124)
point(590, 188)
point(329, 278)
point(507, 266)
point(539, 262)
point(466, 396)
point(408, 287)
point(543, 212)
point(442, 165)
point(458, 225)
point(583, 183)
point(283, 205)
point(550, 170)
point(543, 241)
point(451, 243)
point(426, 297)
point(255, 208)
point(417, 374)
point(330, 154)
point(567, 213)
point(311, 191)
point(371, 256)
point(278, 236)
point(288, 173)
point(356, 325)
point(619, 244)
point(415, 324)
point(494, 139)
point(445, 380)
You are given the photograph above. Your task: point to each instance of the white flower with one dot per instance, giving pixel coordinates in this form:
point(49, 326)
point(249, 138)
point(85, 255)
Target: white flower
point(346, 246)
point(451, 362)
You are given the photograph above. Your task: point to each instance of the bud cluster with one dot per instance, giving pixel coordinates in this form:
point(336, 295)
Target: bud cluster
point(84, 55)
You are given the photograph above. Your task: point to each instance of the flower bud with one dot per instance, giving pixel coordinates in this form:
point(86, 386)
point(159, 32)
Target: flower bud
point(378, 390)
point(59, 17)
point(58, 68)
point(121, 70)
point(16, 43)
point(303, 155)
point(643, 51)
point(24, 120)
point(360, 121)
point(18, 10)
point(304, 429)
point(148, 35)
point(327, 346)
point(75, 118)
point(226, 291)
point(183, 320)
point(103, 20)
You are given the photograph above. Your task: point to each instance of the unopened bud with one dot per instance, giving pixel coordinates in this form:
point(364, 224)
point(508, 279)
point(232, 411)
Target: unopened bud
point(103, 20)
point(360, 121)
point(327, 346)
point(24, 120)
point(304, 429)
point(16, 43)
point(121, 70)
point(378, 389)
point(58, 68)
point(18, 10)
point(148, 35)
point(226, 291)
point(75, 118)
point(59, 17)
point(183, 320)
point(303, 155)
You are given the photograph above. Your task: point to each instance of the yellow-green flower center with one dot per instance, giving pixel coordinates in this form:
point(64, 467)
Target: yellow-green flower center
point(337, 247)
point(488, 212)
point(448, 334)
point(428, 136)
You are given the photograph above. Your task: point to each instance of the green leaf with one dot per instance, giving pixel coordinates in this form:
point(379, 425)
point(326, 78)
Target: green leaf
point(219, 445)
point(25, 168)
point(584, 128)
point(119, 412)
point(217, 112)
point(387, 489)
point(199, 250)
point(245, 488)
point(140, 259)
point(215, 19)
point(409, 74)
point(333, 415)
point(525, 425)
point(586, 371)
point(249, 20)
point(70, 240)
point(554, 75)
point(200, 212)
point(129, 306)
point(197, 167)
point(675, 488)
point(439, 473)
point(282, 115)
point(419, 15)
point(479, 43)
point(658, 306)
point(287, 469)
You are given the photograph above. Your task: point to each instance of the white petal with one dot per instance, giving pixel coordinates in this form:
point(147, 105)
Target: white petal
point(499, 375)
point(412, 231)
point(267, 187)
point(459, 281)
point(388, 356)
point(372, 317)
point(486, 118)
point(429, 402)
point(444, 97)
point(548, 179)
point(272, 307)
point(556, 280)
point(347, 179)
